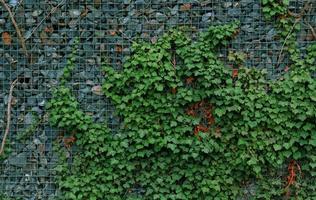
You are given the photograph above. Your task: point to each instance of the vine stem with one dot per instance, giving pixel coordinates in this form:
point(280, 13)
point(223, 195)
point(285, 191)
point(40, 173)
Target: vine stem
point(17, 29)
point(285, 40)
point(305, 9)
point(8, 116)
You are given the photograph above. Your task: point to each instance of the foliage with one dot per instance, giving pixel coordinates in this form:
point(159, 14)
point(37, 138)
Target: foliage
point(236, 57)
point(5, 197)
point(191, 127)
point(288, 25)
point(274, 8)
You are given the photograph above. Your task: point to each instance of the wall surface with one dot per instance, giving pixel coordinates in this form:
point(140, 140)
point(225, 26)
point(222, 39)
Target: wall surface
point(106, 29)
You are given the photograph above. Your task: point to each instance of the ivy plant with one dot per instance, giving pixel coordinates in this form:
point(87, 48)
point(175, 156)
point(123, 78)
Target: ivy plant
point(191, 127)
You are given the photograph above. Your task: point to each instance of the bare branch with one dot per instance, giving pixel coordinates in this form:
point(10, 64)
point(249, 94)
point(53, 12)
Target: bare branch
point(312, 30)
point(7, 130)
point(17, 29)
point(41, 22)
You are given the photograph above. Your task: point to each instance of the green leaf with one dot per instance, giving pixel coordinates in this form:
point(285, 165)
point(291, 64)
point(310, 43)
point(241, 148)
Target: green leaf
point(277, 147)
point(312, 142)
point(159, 87)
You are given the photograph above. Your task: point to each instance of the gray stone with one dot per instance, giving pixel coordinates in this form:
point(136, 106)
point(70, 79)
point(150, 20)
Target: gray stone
point(175, 10)
point(13, 3)
point(246, 2)
point(271, 34)
point(42, 172)
point(19, 160)
point(139, 2)
point(36, 13)
point(161, 17)
point(41, 103)
point(2, 76)
point(96, 14)
point(234, 12)
point(254, 15)
point(74, 13)
point(28, 118)
point(49, 189)
point(10, 59)
point(31, 146)
point(97, 90)
point(56, 38)
point(256, 7)
point(43, 161)
point(100, 33)
point(208, 16)
point(126, 20)
point(227, 4)
point(30, 21)
point(37, 110)
point(247, 28)
point(2, 21)
point(85, 90)
point(36, 141)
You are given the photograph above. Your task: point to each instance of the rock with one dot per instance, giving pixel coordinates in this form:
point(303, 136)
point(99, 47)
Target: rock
point(37, 110)
point(254, 15)
point(208, 16)
point(139, 2)
point(36, 13)
point(127, 2)
point(247, 28)
point(233, 12)
point(30, 21)
point(49, 189)
point(2, 21)
point(256, 7)
point(245, 3)
point(41, 103)
point(227, 4)
point(97, 90)
point(42, 172)
point(43, 161)
point(2, 76)
point(310, 37)
point(74, 13)
point(10, 59)
point(20, 160)
point(56, 38)
point(28, 119)
point(175, 10)
point(271, 34)
point(37, 141)
point(161, 17)
point(13, 3)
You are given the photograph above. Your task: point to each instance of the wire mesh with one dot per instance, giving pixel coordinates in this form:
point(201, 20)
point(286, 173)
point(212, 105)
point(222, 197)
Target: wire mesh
point(106, 29)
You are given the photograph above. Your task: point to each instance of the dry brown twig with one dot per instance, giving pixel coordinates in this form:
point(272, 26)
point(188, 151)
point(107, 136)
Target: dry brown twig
point(17, 29)
point(312, 29)
point(7, 130)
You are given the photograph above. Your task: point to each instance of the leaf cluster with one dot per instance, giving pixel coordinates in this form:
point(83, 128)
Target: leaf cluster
point(189, 129)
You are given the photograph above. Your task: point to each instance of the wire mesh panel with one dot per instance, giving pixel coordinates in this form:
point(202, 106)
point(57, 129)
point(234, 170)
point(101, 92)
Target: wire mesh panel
point(106, 30)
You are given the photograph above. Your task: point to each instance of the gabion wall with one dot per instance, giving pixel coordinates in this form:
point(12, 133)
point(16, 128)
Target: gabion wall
point(106, 29)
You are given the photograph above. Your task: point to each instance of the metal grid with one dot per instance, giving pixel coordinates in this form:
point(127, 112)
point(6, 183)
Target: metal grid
point(106, 29)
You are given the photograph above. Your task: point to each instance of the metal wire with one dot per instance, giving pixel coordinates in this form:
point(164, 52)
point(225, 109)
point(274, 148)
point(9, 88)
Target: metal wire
point(106, 29)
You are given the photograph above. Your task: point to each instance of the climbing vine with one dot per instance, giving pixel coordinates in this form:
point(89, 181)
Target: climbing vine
point(192, 128)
